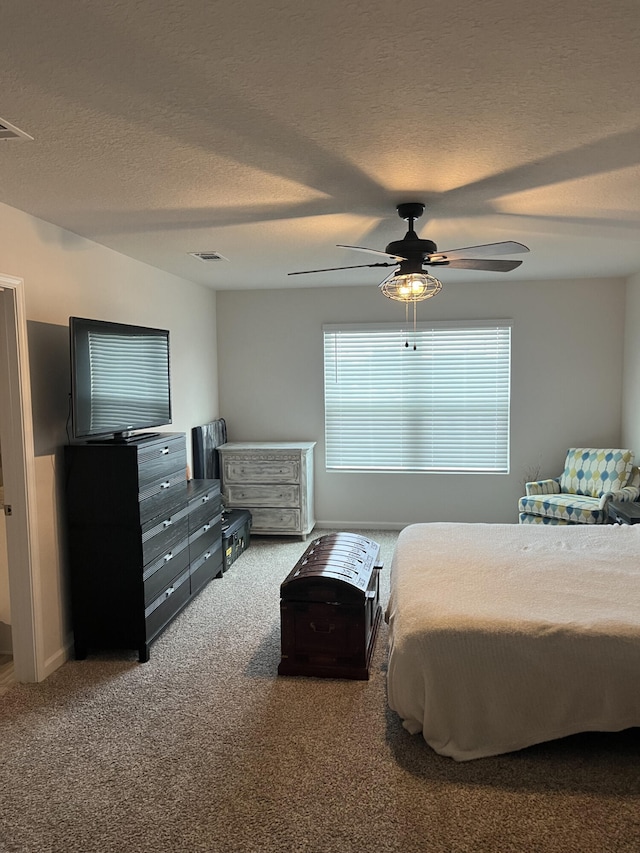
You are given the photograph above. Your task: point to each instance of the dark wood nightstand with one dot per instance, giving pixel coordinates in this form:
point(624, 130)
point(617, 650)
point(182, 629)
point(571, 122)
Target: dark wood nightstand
point(624, 512)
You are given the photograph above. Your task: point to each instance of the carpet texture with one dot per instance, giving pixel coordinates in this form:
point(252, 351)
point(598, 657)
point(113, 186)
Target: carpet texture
point(205, 748)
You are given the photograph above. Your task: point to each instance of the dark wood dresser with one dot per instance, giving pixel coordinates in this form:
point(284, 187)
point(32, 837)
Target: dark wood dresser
point(330, 608)
point(142, 541)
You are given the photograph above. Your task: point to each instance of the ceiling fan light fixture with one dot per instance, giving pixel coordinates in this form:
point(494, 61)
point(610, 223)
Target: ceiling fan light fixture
point(412, 287)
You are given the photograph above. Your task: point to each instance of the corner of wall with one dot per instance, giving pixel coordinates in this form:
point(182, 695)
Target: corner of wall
point(631, 367)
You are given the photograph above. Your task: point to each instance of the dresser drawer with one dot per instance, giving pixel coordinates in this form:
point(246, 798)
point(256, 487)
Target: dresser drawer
point(162, 610)
point(162, 497)
point(211, 549)
point(159, 575)
point(206, 536)
point(259, 470)
point(204, 508)
point(285, 519)
point(159, 536)
point(253, 495)
point(206, 572)
point(160, 460)
point(206, 565)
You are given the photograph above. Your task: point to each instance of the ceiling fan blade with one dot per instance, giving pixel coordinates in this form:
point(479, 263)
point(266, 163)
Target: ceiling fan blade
point(508, 247)
point(477, 264)
point(356, 267)
point(374, 252)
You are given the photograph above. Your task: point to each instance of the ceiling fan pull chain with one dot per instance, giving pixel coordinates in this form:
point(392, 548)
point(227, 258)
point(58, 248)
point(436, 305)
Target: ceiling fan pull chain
point(406, 324)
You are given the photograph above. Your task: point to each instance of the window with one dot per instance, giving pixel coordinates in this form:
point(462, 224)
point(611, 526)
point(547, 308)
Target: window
point(443, 406)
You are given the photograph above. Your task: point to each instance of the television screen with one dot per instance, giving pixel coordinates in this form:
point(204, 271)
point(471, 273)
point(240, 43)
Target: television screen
point(120, 378)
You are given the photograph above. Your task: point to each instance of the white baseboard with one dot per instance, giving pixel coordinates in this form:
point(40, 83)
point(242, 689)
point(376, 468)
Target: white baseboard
point(359, 525)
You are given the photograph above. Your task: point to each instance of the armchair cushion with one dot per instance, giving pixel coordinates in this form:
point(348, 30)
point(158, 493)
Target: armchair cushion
point(570, 509)
point(594, 472)
point(527, 518)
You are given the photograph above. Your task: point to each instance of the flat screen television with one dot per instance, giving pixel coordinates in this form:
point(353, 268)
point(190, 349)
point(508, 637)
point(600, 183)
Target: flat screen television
point(120, 379)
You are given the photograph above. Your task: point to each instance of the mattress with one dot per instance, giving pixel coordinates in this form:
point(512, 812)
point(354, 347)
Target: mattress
point(503, 636)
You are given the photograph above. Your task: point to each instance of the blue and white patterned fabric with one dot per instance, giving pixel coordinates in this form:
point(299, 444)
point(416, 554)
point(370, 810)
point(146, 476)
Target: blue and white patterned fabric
point(592, 472)
point(591, 478)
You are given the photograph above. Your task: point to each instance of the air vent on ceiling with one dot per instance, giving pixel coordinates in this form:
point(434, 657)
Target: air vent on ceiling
point(10, 131)
point(208, 257)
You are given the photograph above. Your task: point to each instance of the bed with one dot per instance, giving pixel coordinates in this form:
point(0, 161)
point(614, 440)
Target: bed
point(504, 635)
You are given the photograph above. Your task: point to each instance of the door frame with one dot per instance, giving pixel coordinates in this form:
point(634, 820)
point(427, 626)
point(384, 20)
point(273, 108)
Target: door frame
point(18, 468)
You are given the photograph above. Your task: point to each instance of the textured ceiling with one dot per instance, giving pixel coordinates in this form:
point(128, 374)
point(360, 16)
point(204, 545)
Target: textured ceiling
point(271, 131)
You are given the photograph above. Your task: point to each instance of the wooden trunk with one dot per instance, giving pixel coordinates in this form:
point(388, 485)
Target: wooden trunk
point(330, 608)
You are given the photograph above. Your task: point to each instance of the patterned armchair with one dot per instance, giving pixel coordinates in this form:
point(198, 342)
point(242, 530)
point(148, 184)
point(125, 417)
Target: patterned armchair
point(591, 478)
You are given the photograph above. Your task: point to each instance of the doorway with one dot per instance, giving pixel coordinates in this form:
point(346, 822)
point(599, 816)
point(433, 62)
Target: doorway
point(18, 474)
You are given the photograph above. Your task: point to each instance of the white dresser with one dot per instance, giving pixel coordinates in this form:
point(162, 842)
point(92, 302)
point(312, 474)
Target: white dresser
point(274, 480)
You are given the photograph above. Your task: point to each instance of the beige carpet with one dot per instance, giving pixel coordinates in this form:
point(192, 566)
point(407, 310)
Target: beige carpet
point(204, 748)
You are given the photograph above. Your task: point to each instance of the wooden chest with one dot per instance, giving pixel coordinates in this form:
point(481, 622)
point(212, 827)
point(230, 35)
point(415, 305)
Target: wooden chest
point(330, 608)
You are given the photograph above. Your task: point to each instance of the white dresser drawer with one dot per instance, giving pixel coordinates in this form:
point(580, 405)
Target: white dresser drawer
point(251, 495)
point(271, 519)
point(260, 470)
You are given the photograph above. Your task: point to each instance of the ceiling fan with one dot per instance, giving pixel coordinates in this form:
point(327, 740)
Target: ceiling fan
point(409, 282)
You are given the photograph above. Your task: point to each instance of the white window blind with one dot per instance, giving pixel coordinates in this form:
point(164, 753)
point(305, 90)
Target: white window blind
point(441, 407)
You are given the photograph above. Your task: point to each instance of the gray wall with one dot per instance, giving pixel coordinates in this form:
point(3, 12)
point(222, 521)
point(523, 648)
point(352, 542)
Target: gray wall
point(66, 275)
point(567, 365)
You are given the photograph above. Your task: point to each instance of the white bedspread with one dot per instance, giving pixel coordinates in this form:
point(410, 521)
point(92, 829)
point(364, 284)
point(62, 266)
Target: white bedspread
point(506, 635)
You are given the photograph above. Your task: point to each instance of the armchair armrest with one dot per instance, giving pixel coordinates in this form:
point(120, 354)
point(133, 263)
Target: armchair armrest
point(628, 493)
point(543, 487)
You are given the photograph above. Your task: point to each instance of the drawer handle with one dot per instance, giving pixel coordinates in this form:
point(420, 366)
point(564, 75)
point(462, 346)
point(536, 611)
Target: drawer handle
point(322, 630)
point(165, 485)
point(164, 451)
point(206, 527)
point(168, 557)
point(207, 555)
point(167, 523)
point(205, 499)
point(169, 592)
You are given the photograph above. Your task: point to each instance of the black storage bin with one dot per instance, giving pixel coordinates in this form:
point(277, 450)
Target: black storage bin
point(236, 535)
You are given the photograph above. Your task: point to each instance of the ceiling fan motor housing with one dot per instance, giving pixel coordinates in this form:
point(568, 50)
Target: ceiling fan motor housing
point(411, 265)
point(411, 248)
